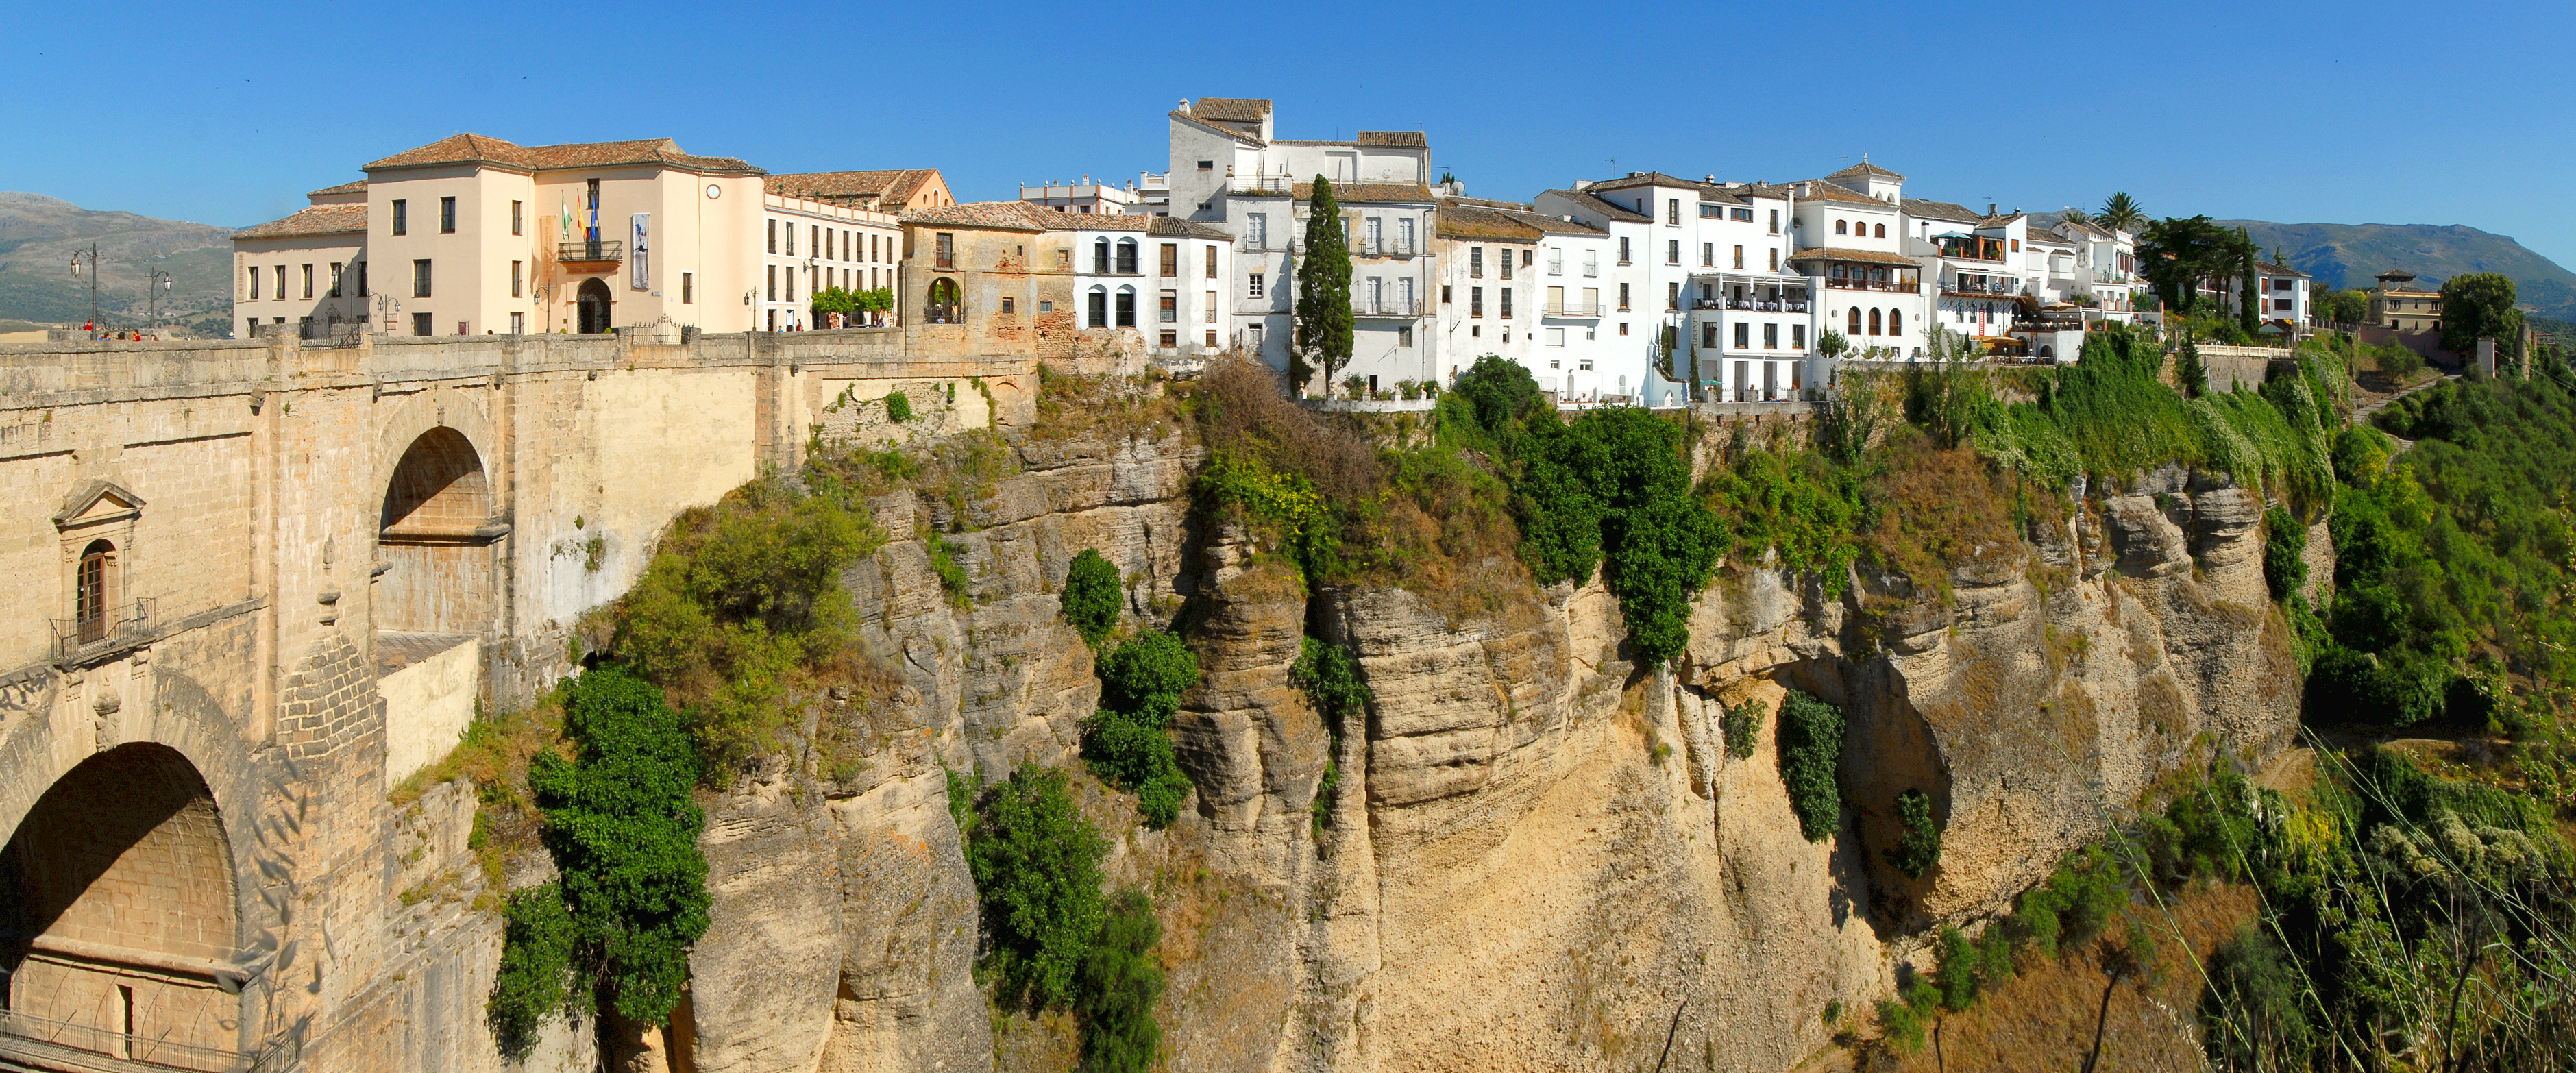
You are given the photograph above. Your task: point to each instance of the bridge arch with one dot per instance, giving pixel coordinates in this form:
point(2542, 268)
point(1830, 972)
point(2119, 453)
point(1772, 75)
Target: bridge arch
point(120, 922)
point(438, 522)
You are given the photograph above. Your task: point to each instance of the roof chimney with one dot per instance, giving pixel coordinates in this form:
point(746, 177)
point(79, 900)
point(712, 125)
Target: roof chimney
point(1185, 104)
point(1708, 178)
point(1990, 208)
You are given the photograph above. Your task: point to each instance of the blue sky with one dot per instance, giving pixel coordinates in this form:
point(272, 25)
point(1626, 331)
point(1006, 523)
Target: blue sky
point(2346, 113)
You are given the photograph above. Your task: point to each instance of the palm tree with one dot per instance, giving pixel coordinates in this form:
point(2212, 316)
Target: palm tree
point(2120, 212)
point(2071, 214)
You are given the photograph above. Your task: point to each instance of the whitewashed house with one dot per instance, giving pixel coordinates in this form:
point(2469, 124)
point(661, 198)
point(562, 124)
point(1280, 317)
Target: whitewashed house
point(1851, 233)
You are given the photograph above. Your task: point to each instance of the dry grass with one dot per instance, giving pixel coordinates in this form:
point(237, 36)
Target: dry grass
point(1238, 406)
point(1076, 405)
point(494, 757)
point(2044, 1018)
point(1939, 511)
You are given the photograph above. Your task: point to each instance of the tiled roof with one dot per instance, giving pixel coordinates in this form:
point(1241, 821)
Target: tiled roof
point(1939, 210)
point(1398, 139)
point(2085, 227)
point(1231, 109)
point(316, 220)
point(1454, 220)
point(1487, 202)
point(482, 149)
point(1603, 205)
point(996, 215)
point(2270, 269)
point(1550, 224)
point(351, 187)
point(887, 189)
point(1825, 191)
point(1866, 170)
point(1167, 226)
point(1645, 178)
point(1874, 257)
point(1347, 193)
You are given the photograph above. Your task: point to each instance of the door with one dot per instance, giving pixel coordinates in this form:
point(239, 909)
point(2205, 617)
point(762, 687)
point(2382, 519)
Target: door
point(594, 306)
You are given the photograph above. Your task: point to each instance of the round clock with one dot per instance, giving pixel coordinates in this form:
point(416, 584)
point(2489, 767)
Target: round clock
point(714, 191)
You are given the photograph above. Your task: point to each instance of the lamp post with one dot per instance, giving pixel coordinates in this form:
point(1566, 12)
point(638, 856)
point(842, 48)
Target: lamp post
point(91, 255)
point(152, 291)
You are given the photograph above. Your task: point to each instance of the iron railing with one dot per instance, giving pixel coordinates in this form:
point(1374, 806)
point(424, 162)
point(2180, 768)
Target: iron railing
point(1574, 309)
point(1752, 305)
point(103, 629)
point(1260, 184)
point(591, 250)
point(2007, 286)
point(1386, 307)
point(1850, 284)
point(24, 1037)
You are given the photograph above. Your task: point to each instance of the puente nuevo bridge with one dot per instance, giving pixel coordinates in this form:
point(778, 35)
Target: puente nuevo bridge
point(254, 585)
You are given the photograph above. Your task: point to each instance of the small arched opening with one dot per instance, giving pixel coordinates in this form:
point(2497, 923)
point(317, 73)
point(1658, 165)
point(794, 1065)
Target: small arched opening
point(944, 306)
point(1126, 256)
point(95, 596)
point(1099, 311)
point(437, 535)
point(118, 923)
point(594, 299)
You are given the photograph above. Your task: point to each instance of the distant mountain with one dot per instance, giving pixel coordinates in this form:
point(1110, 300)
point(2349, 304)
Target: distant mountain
point(39, 233)
point(2349, 255)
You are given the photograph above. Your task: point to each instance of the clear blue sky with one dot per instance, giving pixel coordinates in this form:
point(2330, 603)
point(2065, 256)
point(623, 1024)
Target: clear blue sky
point(2347, 113)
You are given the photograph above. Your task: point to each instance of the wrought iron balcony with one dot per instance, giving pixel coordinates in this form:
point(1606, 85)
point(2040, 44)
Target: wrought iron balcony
point(600, 251)
point(1386, 307)
point(104, 629)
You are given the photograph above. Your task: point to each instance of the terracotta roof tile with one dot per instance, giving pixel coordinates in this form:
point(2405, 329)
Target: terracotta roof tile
point(1396, 139)
point(1602, 205)
point(1231, 109)
point(995, 215)
point(1551, 224)
point(1940, 210)
point(351, 187)
point(889, 187)
point(316, 220)
point(1866, 170)
point(1454, 220)
point(1825, 191)
point(482, 149)
point(1362, 192)
point(1874, 257)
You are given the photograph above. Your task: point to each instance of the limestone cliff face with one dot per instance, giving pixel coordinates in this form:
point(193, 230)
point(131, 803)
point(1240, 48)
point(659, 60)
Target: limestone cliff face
point(1536, 855)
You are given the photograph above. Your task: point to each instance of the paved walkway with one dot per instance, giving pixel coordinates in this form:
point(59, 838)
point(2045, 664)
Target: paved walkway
point(2364, 413)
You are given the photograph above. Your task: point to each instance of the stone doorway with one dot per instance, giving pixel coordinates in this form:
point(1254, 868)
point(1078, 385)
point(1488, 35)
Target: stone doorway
point(594, 302)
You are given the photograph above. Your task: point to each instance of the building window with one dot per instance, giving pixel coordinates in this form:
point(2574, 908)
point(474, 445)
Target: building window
point(447, 216)
point(1770, 337)
point(1882, 231)
point(1672, 296)
point(1171, 260)
point(791, 238)
point(1475, 262)
point(1444, 294)
point(1210, 305)
point(402, 217)
point(1895, 322)
point(1710, 212)
point(1591, 262)
point(420, 324)
point(2281, 305)
point(95, 591)
point(1404, 240)
point(1126, 307)
point(1842, 227)
point(1507, 303)
point(420, 279)
point(1873, 322)
point(1099, 307)
point(1708, 335)
point(1623, 249)
point(2016, 245)
point(362, 278)
point(1743, 335)
point(1673, 210)
point(1170, 309)
point(517, 216)
point(1507, 262)
point(308, 281)
point(1775, 258)
point(1555, 261)
point(1672, 251)
point(773, 283)
point(1252, 285)
point(1403, 335)
point(1740, 214)
point(1775, 221)
point(1210, 270)
point(1127, 259)
point(688, 288)
point(1475, 301)
point(1854, 330)
point(773, 235)
point(518, 323)
point(1798, 337)
point(1708, 255)
point(335, 279)
point(1623, 300)
point(514, 279)
point(1009, 305)
point(1256, 229)
point(1739, 257)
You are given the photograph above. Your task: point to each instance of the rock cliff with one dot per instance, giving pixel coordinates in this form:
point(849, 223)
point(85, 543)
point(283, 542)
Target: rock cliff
point(1537, 854)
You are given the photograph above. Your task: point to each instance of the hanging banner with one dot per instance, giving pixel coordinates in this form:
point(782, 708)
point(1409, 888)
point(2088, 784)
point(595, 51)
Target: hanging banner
point(642, 259)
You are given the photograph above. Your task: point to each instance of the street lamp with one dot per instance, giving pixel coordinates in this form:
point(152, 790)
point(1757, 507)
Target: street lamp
point(92, 256)
point(153, 289)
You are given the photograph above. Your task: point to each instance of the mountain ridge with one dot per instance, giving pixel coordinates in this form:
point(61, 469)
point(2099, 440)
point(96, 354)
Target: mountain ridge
point(39, 233)
point(2351, 255)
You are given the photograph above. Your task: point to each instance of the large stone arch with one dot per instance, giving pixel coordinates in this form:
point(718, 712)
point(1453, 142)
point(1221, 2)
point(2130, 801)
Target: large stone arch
point(437, 520)
point(121, 923)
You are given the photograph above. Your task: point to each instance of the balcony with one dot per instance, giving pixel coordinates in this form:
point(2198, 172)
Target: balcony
point(1399, 248)
point(1586, 310)
point(1385, 307)
point(596, 252)
point(1752, 305)
point(1902, 286)
point(1260, 185)
point(109, 630)
point(2110, 275)
point(2009, 286)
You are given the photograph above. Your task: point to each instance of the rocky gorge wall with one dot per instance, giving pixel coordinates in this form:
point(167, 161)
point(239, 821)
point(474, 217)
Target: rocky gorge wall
point(1537, 854)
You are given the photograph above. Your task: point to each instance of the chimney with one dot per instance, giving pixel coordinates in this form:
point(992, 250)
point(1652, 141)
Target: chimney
point(1990, 208)
point(1708, 178)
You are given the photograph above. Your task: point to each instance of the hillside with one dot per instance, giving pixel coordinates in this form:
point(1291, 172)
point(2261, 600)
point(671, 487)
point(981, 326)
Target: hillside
point(2348, 255)
point(39, 233)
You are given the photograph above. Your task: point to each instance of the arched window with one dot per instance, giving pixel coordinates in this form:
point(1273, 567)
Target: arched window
point(944, 306)
point(96, 584)
point(1855, 321)
point(1873, 322)
point(1100, 257)
point(1126, 256)
point(1882, 231)
point(2046, 352)
point(1895, 322)
point(1842, 227)
point(1127, 295)
point(1099, 302)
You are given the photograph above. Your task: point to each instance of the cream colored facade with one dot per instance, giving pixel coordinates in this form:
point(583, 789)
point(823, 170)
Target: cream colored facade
point(811, 246)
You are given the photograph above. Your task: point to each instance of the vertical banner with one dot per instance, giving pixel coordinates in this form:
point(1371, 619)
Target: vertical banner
point(643, 260)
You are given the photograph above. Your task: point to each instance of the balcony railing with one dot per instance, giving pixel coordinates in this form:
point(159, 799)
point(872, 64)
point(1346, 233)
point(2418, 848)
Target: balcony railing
point(104, 630)
point(2110, 275)
point(1905, 286)
point(1384, 248)
point(1752, 305)
point(2007, 287)
point(592, 251)
point(1260, 184)
point(48, 1043)
point(1574, 309)
point(1386, 307)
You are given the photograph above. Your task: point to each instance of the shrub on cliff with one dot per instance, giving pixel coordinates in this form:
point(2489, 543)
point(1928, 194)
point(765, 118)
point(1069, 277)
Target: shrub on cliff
point(623, 830)
point(2285, 544)
point(1091, 596)
point(1128, 741)
point(1811, 749)
point(1036, 862)
point(1331, 680)
point(1120, 982)
point(1918, 845)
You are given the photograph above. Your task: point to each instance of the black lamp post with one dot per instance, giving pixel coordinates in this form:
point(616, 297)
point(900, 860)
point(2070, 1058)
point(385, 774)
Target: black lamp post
point(158, 284)
point(91, 255)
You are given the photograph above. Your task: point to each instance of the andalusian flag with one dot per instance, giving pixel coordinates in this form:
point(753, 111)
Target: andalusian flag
point(567, 220)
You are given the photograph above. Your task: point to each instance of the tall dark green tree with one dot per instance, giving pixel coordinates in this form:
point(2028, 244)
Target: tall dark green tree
point(2249, 293)
point(1323, 342)
point(2479, 306)
point(2175, 255)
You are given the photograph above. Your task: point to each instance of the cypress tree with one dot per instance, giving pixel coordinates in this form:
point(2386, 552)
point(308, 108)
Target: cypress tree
point(1323, 294)
point(2249, 299)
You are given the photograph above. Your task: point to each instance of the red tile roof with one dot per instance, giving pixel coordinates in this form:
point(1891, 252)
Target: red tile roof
point(316, 220)
point(483, 149)
point(888, 189)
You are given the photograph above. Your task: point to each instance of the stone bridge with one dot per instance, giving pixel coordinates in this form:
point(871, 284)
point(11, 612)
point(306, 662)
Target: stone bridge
point(251, 587)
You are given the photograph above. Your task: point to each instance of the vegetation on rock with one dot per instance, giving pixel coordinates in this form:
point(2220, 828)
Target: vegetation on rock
point(1128, 742)
point(1120, 981)
point(1036, 862)
point(1811, 749)
point(1091, 596)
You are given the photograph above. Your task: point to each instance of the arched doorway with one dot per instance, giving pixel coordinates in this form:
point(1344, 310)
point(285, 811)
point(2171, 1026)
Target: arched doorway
point(594, 300)
point(944, 306)
point(118, 925)
point(437, 537)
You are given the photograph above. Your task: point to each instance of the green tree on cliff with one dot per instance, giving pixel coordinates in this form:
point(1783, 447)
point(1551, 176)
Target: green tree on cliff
point(1323, 343)
point(2479, 306)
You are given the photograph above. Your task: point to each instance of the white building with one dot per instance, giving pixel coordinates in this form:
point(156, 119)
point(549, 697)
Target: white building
point(1228, 171)
point(1146, 195)
point(1487, 261)
point(306, 273)
point(1162, 276)
point(1851, 233)
point(809, 247)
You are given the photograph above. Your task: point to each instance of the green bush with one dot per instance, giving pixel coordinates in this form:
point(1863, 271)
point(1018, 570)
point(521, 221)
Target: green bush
point(898, 407)
point(1918, 848)
point(622, 828)
point(2253, 1013)
point(1332, 683)
point(952, 576)
point(1811, 749)
point(1036, 862)
point(2285, 545)
point(1091, 596)
point(1127, 742)
point(1741, 724)
point(1803, 507)
point(1955, 972)
point(1120, 981)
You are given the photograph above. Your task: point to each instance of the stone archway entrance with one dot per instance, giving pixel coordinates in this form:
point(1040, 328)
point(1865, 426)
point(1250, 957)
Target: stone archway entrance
point(118, 926)
point(594, 301)
point(437, 538)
